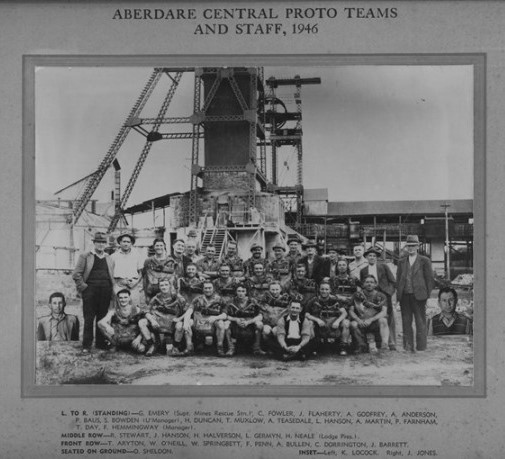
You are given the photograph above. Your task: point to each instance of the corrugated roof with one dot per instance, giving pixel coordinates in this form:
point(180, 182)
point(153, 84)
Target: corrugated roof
point(159, 203)
point(457, 206)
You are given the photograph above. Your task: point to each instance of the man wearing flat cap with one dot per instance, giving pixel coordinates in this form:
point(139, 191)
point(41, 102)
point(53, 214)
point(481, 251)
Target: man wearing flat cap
point(294, 254)
point(314, 264)
point(386, 284)
point(280, 267)
point(257, 252)
point(128, 267)
point(415, 283)
point(232, 259)
point(94, 277)
point(330, 269)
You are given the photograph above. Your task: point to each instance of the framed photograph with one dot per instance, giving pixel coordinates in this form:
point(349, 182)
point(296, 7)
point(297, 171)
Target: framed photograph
point(348, 128)
point(298, 118)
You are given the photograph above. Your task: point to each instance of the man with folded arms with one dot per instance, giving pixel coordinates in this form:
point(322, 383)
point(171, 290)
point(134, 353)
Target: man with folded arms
point(294, 334)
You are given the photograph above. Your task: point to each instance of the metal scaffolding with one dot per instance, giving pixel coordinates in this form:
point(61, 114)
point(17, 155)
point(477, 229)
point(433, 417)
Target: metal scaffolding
point(259, 110)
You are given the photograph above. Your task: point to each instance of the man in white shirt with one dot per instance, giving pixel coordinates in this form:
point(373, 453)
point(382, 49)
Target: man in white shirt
point(293, 334)
point(359, 261)
point(190, 251)
point(128, 268)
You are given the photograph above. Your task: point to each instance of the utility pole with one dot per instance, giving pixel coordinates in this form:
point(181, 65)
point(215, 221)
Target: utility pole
point(447, 247)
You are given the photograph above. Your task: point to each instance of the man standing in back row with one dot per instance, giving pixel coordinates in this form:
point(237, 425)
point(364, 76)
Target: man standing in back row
point(128, 267)
point(386, 284)
point(93, 276)
point(359, 261)
point(415, 283)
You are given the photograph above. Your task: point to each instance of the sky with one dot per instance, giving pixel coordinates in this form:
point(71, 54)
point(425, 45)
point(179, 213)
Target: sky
point(370, 133)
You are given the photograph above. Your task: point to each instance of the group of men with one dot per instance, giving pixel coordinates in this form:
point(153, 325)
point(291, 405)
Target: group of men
point(292, 306)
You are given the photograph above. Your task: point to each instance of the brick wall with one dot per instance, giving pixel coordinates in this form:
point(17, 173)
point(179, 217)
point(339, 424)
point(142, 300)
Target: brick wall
point(225, 180)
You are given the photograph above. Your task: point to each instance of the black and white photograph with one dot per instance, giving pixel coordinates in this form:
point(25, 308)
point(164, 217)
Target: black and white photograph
point(268, 225)
point(252, 229)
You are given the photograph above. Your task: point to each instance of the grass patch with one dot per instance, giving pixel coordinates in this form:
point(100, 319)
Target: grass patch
point(97, 378)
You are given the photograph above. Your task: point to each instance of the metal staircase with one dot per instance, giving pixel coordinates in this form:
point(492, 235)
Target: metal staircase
point(217, 237)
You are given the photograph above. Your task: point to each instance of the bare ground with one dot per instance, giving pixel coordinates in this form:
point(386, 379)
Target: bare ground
point(447, 362)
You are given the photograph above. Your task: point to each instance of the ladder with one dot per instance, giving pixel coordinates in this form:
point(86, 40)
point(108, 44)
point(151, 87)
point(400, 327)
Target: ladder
point(217, 237)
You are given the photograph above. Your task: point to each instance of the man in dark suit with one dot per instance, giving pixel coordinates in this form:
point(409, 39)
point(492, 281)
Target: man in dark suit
point(386, 284)
point(94, 276)
point(415, 283)
point(315, 265)
point(181, 261)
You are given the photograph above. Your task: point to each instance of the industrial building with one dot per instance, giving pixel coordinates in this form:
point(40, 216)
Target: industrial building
point(237, 127)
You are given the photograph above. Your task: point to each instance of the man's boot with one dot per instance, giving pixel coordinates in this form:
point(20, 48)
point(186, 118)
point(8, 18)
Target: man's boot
point(231, 348)
point(151, 348)
point(257, 344)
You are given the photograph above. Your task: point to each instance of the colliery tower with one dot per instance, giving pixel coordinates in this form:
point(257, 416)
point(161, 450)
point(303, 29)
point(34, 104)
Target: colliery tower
point(237, 127)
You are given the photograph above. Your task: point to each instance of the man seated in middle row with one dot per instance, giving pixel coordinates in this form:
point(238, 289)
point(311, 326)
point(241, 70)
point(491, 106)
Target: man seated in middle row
point(273, 306)
point(205, 317)
point(246, 322)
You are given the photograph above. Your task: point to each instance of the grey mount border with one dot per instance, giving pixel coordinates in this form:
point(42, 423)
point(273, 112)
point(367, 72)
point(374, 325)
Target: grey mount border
point(28, 348)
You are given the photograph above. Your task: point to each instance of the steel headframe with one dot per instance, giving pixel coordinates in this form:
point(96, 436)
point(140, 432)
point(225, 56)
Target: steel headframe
point(94, 180)
point(249, 114)
point(147, 148)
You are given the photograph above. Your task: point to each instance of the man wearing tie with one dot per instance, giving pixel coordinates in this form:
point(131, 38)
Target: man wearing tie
point(415, 283)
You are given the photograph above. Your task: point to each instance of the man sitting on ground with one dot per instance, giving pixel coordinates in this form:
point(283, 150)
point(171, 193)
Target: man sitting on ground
point(58, 326)
point(369, 316)
point(293, 334)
